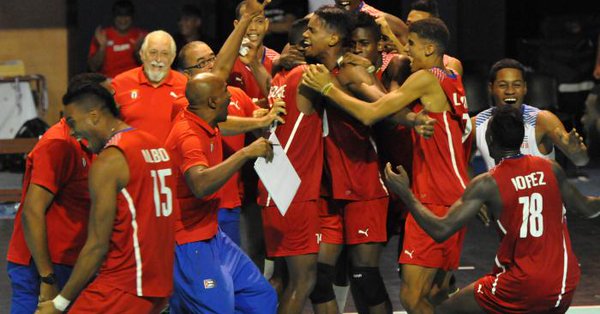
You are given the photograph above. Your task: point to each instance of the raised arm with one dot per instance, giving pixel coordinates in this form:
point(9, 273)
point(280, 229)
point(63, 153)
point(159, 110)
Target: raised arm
point(586, 206)
point(481, 191)
point(571, 143)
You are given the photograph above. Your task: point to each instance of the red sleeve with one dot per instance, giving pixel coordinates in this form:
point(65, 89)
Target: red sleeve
point(190, 147)
point(178, 105)
point(52, 164)
point(247, 105)
point(93, 47)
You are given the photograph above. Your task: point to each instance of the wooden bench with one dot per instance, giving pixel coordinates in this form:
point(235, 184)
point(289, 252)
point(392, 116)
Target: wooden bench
point(15, 146)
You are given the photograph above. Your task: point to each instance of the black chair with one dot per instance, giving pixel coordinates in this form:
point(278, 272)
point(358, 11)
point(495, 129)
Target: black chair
point(476, 89)
point(542, 91)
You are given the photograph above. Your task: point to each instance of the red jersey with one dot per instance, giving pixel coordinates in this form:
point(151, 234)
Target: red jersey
point(534, 262)
point(440, 162)
point(301, 137)
point(241, 75)
point(142, 242)
point(60, 164)
point(120, 50)
point(351, 158)
point(146, 107)
point(240, 105)
point(193, 142)
point(386, 58)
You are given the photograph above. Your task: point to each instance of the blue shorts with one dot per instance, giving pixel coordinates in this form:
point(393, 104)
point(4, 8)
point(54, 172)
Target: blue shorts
point(25, 284)
point(216, 276)
point(229, 221)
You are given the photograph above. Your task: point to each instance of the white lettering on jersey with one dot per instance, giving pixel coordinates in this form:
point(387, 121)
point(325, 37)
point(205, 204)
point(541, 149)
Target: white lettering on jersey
point(153, 156)
point(528, 181)
point(277, 92)
point(122, 47)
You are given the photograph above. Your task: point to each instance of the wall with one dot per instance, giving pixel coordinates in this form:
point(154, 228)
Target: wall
point(34, 31)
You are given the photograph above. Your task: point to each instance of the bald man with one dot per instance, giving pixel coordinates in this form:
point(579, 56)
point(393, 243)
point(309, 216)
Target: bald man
point(211, 273)
point(147, 95)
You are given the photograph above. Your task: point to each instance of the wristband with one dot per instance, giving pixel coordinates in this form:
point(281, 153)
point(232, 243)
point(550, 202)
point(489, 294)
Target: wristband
point(326, 88)
point(60, 303)
point(371, 69)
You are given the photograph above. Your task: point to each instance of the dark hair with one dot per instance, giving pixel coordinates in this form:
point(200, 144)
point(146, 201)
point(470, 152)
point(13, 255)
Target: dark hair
point(191, 11)
point(238, 10)
point(432, 29)
point(296, 30)
point(123, 8)
point(85, 78)
point(429, 6)
point(94, 94)
point(367, 21)
point(506, 127)
point(336, 19)
point(506, 63)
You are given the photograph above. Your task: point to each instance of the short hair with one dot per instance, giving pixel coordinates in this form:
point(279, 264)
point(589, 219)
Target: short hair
point(296, 30)
point(94, 92)
point(184, 51)
point(123, 8)
point(506, 63)
point(507, 127)
point(336, 19)
point(238, 10)
point(367, 21)
point(191, 11)
point(432, 29)
point(85, 78)
point(163, 33)
point(429, 6)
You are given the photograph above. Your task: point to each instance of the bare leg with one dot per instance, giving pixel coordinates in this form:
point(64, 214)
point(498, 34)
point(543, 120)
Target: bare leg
point(416, 286)
point(462, 302)
point(302, 271)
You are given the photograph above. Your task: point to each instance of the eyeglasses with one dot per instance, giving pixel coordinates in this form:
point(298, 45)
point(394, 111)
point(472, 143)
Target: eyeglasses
point(202, 64)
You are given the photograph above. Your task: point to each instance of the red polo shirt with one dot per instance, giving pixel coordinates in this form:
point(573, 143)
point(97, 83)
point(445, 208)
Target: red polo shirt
point(148, 108)
point(192, 142)
point(120, 50)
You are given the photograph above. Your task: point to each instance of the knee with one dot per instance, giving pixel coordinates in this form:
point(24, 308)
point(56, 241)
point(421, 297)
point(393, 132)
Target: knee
point(369, 284)
point(409, 298)
point(303, 282)
point(323, 291)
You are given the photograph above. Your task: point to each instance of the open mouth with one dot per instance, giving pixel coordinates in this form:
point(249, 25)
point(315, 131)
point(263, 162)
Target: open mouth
point(345, 4)
point(252, 37)
point(510, 100)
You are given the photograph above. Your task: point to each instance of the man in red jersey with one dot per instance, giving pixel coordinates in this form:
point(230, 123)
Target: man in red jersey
point(243, 72)
point(211, 272)
point(50, 225)
point(535, 268)
point(440, 162)
point(113, 49)
point(130, 233)
point(147, 95)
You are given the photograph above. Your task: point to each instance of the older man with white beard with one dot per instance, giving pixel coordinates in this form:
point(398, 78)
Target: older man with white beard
point(150, 96)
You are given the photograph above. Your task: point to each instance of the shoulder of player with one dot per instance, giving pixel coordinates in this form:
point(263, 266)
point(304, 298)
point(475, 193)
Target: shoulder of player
point(546, 121)
point(481, 186)
point(351, 73)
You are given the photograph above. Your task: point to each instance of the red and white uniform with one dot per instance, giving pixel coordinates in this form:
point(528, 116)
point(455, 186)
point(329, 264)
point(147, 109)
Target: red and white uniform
point(439, 176)
point(193, 142)
point(140, 258)
point(120, 50)
point(241, 76)
point(535, 268)
point(240, 105)
point(148, 108)
point(60, 164)
point(352, 170)
point(297, 232)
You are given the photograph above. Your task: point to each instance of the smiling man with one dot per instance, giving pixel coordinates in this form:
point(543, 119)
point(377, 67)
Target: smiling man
point(543, 130)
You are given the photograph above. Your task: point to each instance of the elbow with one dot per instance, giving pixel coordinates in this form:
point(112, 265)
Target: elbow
point(442, 234)
point(368, 121)
point(199, 191)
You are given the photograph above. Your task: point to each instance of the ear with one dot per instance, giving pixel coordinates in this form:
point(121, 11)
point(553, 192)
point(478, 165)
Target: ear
point(524, 87)
point(211, 104)
point(380, 45)
point(235, 23)
point(429, 49)
point(93, 117)
point(334, 39)
point(266, 23)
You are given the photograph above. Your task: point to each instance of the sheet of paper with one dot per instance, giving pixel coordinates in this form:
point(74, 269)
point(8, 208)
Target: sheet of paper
point(279, 176)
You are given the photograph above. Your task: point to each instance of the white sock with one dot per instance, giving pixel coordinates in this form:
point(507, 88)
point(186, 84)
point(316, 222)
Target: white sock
point(341, 295)
point(269, 268)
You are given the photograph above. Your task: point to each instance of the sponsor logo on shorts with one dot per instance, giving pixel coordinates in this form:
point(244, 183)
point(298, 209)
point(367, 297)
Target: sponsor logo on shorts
point(365, 232)
point(83, 162)
point(319, 237)
point(209, 283)
point(409, 253)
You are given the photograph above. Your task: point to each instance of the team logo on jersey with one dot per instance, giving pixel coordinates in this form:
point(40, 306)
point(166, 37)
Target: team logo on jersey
point(173, 95)
point(479, 289)
point(277, 92)
point(235, 104)
point(134, 94)
point(209, 283)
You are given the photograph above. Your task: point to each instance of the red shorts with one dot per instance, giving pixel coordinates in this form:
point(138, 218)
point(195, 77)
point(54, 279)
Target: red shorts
point(365, 221)
point(332, 229)
point(296, 233)
point(493, 294)
point(421, 250)
point(101, 298)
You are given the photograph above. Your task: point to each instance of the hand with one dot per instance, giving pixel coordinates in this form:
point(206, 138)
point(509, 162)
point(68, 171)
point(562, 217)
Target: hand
point(350, 58)
point(46, 308)
point(383, 24)
point(251, 57)
point(277, 111)
point(424, 124)
point(316, 76)
point(399, 182)
point(48, 292)
point(484, 215)
point(260, 148)
point(260, 112)
point(100, 35)
point(254, 8)
point(575, 140)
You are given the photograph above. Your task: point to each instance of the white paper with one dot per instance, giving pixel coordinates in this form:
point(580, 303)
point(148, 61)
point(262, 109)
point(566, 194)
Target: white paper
point(279, 176)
